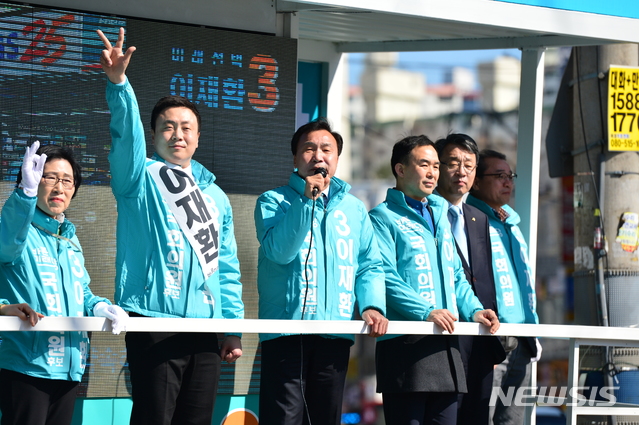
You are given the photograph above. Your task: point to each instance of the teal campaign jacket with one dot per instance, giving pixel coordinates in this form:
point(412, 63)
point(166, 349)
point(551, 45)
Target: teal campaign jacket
point(423, 270)
point(514, 283)
point(48, 273)
point(343, 266)
point(157, 271)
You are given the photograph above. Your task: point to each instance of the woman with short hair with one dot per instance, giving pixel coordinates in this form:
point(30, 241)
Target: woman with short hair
point(42, 273)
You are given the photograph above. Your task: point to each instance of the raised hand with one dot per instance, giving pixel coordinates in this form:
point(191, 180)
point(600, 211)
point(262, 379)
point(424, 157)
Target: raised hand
point(32, 169)
point(114, 62)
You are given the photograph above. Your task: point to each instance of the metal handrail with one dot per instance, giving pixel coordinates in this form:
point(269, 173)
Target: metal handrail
point(619, 336)
point(577, 335)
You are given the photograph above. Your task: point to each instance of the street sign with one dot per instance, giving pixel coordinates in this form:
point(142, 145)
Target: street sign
point(623, 108)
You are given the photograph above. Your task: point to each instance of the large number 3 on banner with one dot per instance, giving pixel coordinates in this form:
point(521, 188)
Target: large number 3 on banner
point(44, 39)
point(269, 100)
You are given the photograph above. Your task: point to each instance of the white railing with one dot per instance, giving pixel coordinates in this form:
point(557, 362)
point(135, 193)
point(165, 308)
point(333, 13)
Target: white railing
point(577, 335)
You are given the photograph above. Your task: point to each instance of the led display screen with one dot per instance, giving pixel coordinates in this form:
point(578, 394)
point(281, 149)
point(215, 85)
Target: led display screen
point(52, 90)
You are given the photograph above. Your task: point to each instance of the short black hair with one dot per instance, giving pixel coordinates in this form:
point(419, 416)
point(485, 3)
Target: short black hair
point(460, 140)
point(483, 156)
point(59, 152)
point(403, 149)
point(174, 102)
point(316, 125)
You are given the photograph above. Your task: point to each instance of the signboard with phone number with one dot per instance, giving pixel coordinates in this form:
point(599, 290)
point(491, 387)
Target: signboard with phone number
point(623, 108)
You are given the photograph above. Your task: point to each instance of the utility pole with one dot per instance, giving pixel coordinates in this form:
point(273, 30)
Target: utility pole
point(606, 185)
point(604, 180)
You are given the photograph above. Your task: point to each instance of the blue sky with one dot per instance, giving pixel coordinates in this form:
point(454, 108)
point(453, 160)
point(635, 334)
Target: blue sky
point(433, 64)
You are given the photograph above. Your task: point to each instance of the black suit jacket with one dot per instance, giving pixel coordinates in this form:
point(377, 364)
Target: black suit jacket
point(479, 274)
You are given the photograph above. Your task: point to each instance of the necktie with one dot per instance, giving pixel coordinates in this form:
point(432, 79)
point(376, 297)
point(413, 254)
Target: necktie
point(457, 223)
point(502, 214)
point(429, 219)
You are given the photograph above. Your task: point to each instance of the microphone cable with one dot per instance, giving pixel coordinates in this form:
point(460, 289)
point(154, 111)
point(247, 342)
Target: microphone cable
point(308, 254)
point(314, 192)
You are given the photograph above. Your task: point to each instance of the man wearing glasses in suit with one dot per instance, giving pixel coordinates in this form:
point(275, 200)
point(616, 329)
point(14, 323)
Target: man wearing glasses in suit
point(514, 283)
point(458, 156)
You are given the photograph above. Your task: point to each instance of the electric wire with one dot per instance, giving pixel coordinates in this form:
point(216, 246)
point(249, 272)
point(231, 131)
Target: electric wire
point(590, 168)
point(602, 117)
point(583, 132)
point(609, 366)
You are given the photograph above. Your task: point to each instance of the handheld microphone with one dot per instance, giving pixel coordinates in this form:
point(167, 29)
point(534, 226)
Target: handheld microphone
point(324, 172)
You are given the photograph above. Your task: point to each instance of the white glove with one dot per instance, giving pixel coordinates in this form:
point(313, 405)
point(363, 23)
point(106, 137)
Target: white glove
point(32, 169)
point(538, 356)
point(118, 317)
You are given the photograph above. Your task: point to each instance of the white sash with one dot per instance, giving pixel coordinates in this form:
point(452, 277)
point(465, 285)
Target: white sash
point(186, 201)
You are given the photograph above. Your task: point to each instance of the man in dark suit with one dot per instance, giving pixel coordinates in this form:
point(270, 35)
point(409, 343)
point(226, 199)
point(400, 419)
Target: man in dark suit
point(458, 155)
point(514, 280)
